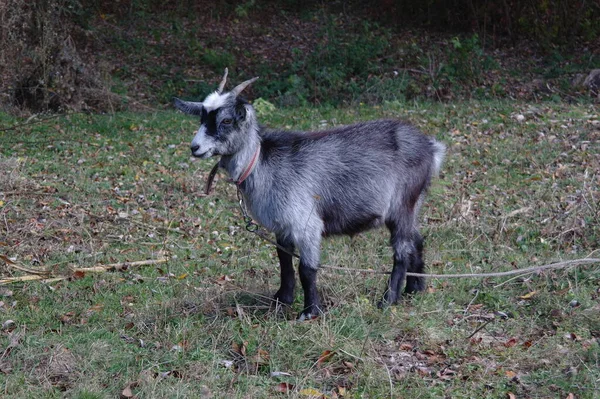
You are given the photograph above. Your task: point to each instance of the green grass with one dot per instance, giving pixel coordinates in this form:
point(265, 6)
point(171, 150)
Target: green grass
point(98, 189)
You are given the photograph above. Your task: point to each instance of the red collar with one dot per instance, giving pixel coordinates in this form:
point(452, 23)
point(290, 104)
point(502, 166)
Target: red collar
point(249, 168)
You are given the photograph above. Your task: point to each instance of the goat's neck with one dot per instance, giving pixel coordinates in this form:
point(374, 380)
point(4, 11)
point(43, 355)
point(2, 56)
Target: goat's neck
point(236, 164)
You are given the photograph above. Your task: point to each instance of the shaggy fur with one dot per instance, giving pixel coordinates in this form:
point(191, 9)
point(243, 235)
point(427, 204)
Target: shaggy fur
point(309, 185)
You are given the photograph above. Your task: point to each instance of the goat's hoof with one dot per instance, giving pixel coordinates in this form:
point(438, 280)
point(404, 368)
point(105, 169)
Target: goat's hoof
point(414, 285)
point(388, 300)
point(283, 298)
point(310, 313)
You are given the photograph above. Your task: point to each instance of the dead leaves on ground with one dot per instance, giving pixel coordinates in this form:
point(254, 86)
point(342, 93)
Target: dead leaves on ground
point(329, 364)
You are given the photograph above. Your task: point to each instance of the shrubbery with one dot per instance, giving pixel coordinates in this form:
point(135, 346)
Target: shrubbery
point(350, 58)
point(40, 65)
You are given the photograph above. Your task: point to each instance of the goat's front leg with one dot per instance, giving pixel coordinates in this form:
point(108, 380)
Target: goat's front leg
point(309, 264)
point(285, 248)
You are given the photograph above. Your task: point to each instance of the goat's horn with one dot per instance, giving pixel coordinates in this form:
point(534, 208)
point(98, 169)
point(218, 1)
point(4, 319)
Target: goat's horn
point(239, 88)
point(222, 85)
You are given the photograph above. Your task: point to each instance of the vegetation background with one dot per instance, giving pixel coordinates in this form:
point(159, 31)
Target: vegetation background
point(95, 175)
point(106, 55)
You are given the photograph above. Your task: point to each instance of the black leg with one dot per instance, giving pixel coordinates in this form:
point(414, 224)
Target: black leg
point(403, 251)
point(416, 284)
point(285, 294)
point(308, 278)
point(392, 293)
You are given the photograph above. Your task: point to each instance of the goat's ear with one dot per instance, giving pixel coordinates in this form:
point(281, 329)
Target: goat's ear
point(188, 107)
point(240, 109)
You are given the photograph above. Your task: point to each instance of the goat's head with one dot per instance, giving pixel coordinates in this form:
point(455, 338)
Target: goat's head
point(225, 120)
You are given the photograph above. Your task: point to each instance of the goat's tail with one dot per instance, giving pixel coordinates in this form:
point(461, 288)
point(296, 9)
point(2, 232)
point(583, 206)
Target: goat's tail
point(439, 151)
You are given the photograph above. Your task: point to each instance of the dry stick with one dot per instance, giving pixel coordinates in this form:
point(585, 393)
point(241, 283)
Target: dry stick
point(151, 226)
point(119, 266)
point(9, 280)
point(533, 269)
point(481, 327)
point(95, 269)
point(41, 272)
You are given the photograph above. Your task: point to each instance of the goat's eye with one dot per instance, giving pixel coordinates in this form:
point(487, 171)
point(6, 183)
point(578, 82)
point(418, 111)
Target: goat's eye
point(227, 121)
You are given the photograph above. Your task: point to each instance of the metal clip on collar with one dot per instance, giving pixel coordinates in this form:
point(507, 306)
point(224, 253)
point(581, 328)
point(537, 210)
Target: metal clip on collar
point(250, 225)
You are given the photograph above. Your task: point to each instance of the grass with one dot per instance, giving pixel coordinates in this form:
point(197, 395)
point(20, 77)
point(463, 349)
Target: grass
point(519, 188)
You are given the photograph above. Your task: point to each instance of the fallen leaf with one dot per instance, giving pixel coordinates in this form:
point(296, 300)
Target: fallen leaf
point(223, 280)
point(7, 260)
point(127, 393)
point(528, 295)
point(325, 356)
point(510, 343)
point(406, 347)
point(66, 318)
point(573, 337)
point(284, 387)
point(78, 274)
point(511, 395)
point(239, 348)
point(311, 392)
point(347, 364)
point(96, 308)
point(510, 374)
point(476, 306)
point(262, 357)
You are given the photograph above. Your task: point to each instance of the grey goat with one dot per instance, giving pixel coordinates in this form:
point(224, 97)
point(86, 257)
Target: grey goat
point(303, 186)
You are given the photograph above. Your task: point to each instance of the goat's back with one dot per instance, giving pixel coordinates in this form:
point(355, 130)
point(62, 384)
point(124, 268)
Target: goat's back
point(354, 177)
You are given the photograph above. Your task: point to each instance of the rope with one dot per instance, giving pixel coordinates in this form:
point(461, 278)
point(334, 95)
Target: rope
point(529, 270)
point(252, 227)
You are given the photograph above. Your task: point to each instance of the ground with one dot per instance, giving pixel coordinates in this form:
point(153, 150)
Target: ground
point(519, 188)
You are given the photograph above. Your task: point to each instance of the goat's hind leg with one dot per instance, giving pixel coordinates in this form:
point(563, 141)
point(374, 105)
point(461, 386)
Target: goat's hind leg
point(285, 249)
point(404, 250)
point(416, 284)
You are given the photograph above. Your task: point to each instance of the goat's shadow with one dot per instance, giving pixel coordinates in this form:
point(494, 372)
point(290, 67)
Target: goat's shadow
point(253, 305)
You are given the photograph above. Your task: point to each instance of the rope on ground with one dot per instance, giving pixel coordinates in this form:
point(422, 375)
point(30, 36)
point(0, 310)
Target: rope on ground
point(254, 228)
point(528, 270)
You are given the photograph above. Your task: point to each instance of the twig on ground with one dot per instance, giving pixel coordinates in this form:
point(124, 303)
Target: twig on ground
point(151, 226)
point(21, 279)
point(47, 277)
point(481, 327)
point(41, 272)
point(118, 266)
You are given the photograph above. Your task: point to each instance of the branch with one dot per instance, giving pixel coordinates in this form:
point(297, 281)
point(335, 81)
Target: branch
point(46, 276)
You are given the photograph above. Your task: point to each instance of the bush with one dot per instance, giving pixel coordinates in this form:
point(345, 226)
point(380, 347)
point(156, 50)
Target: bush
point(40, 65)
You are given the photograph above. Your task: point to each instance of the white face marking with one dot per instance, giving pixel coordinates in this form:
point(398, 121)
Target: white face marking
point(205, 143)
point(214, 101)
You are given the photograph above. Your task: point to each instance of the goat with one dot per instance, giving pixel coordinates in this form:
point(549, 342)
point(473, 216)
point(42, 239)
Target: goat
point(303, 186)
